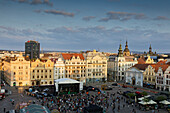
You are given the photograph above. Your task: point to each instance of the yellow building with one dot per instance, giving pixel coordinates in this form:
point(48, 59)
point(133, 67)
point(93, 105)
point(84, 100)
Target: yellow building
point(17, 71)
point(96, 69)
point(75, 66)
point(149, 75)
point(149, 60)
point(42, 72)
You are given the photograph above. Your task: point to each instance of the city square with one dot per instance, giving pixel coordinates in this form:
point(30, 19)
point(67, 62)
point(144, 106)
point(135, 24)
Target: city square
point(84, 56)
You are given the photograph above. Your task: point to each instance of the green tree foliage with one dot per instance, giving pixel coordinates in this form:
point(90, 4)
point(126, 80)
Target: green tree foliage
point(144, 93)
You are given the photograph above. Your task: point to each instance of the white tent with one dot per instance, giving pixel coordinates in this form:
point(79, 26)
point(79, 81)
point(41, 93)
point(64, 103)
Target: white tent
point(164, 102)
point(67, 81)
point(145, 103)
point(143, 97)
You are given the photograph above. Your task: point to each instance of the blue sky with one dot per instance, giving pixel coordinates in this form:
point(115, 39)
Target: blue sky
point(86, 24)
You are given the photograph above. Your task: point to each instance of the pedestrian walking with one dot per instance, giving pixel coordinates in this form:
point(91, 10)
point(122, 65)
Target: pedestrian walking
point(4, 110)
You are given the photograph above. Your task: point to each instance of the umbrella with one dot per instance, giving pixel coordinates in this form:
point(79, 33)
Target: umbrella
point(152, 102)
point(164, 102)
point(143, 97)
point(145, 103)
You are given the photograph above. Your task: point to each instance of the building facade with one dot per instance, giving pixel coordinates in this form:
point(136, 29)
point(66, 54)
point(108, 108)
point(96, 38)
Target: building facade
point(122, 63)
point(17, 71)
point(163, 78)
point(134, 76)
point(32, 49)
point(75, 66)
point(96, 69)
point(59, 69)
point(167, 79)
point(42, 72)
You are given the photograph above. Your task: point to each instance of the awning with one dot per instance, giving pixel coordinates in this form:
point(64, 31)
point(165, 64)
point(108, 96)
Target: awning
point(146, 103)
point(165, 102)
point(66, 81)
point(143, 97)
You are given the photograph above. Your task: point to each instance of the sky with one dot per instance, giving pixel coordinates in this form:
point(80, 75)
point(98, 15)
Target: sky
point(79, 25)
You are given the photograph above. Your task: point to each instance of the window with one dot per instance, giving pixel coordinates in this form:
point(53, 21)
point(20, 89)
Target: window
point(37, 71)
point(42, 71)
point(37, 76)
point(45, 76)
point(33, 71)
point(50, 82)
point(14, 73)
point(45, 82)
point(50, 76)
point(166, 76)
point(32, 76)
point(41, 76)
point(50, 70)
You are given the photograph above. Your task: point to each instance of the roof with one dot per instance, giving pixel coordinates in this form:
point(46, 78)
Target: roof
point(141, 66)
point(141, 61)
point(34, 108)
point(66, 81)
point(68, 56)
point(156, 66)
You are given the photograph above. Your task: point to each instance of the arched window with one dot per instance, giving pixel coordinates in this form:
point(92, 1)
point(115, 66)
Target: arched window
point(50, 82)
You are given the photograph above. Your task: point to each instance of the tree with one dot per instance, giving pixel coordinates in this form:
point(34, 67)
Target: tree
point(144, 93)
point(161, 98)
point(131, 95)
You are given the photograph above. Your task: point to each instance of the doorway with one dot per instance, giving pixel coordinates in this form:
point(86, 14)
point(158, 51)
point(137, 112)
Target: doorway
point(133, 81)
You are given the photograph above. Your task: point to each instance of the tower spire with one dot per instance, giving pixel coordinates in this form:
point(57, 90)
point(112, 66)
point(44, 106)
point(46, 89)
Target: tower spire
point(120, 53)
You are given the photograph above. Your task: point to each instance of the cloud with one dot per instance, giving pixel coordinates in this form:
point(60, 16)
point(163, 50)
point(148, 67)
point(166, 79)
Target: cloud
point(122, 16)
point(161, 18)
point(88, 18)
point(55, 12)
point(85, 38)
point(35, 2)
point(38, 11)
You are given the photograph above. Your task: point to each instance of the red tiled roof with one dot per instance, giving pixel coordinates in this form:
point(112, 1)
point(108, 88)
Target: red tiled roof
point(141, 66)
point(168, 63)
point(141, 61)
point(161, 62)
point(156, 66)
point(68, 56)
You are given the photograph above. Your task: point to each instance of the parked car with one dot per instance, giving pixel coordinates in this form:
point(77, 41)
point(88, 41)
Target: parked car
point(46, 90)
point(7, 92)
point(39, 95)
point(124, 86)
point(126, 92)
point(114, 84)
point(90, 88)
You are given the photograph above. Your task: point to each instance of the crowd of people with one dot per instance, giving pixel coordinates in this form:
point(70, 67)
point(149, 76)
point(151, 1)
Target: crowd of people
point(76, 102)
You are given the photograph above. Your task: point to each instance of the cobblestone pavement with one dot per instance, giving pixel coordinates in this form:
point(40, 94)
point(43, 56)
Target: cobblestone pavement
point(19, 97)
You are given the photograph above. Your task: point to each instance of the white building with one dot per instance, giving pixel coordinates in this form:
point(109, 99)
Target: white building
point(122, 63)
point(163, 78)
point(59, 69)
point(134, 76)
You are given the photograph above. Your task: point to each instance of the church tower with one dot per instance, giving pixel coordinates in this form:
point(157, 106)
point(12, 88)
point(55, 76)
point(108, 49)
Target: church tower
point(126, 51)
point(120, 51)
point(150, 50)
